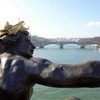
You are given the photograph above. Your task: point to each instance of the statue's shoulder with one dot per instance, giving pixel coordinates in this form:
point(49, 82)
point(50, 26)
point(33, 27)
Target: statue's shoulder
point(38, 59)
point(41, 61)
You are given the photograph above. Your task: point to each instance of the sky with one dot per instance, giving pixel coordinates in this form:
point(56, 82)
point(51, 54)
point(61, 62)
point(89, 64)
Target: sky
point(54, 18)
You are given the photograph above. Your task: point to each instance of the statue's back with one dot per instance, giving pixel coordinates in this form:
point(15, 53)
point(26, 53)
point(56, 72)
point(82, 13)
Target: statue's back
point(13, 84)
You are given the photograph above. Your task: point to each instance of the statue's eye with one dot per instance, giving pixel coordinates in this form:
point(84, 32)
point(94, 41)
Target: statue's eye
point(28, 41)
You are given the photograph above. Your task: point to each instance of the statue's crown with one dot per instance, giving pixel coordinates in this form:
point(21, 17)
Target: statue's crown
point(12, 29)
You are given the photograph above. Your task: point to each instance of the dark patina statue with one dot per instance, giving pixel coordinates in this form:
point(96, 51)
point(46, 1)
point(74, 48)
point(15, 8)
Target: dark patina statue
point(19, 71)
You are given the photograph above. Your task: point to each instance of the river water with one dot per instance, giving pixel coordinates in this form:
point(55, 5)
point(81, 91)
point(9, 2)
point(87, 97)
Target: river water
point(70, 54)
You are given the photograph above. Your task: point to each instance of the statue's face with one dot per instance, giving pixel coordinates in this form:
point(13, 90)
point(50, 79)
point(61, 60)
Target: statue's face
point(26, 47)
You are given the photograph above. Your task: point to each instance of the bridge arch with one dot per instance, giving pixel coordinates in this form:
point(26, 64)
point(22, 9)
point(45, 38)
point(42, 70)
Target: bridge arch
point(51, 46)
point(71, 45)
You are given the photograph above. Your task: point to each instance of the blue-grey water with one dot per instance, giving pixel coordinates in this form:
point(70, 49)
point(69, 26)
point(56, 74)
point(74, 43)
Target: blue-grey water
point(70, 54)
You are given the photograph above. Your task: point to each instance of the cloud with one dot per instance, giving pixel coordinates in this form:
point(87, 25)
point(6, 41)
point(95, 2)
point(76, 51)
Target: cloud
point(93, 24)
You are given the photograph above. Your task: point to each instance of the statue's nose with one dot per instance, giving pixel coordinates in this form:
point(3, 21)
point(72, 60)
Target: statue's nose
point(33, 46)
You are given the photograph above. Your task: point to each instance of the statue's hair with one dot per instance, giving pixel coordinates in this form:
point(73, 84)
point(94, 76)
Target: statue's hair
point(7, 41)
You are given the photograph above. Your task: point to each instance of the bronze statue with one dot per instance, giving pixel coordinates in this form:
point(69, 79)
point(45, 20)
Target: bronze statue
point(19, 71)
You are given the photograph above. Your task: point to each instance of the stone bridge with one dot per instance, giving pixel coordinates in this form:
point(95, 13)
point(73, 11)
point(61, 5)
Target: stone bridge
point(61, 43)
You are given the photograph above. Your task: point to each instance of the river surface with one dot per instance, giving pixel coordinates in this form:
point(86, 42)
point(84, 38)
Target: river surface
point(70, 54)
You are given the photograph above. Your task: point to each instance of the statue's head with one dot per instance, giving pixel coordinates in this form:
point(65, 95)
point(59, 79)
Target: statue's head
point(16, 42)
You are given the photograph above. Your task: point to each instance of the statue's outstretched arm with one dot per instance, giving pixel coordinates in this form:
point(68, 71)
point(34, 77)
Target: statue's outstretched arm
point(63, 75)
